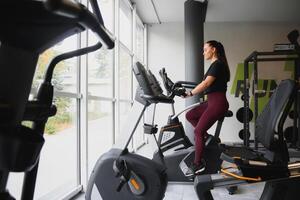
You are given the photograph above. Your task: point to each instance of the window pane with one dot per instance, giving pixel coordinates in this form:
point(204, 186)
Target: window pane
point(126, 123)
point(138, 137)
point(125, 24)
point(124, 75)
point(135, 84)
point(140, 42)
point(124, 111)
point(100, 130)
point(58, 163)
point(128, 116)
point(64, 77)
point(107, 11)
point(100, 69)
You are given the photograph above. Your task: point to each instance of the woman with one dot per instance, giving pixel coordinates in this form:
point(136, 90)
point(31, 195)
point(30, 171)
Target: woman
point(205, 115)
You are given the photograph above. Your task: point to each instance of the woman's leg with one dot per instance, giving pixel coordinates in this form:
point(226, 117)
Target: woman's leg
point(205, 122)
point(215, 110)
point(194, 114)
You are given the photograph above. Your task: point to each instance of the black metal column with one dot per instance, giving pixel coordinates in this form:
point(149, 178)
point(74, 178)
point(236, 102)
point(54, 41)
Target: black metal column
point(3, 181)
point(246, 103)
point(296, 104)
point(194, 17)
point(255, 95)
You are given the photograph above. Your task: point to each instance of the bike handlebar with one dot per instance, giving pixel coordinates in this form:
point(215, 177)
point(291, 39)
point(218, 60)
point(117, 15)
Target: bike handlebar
point(87, 19)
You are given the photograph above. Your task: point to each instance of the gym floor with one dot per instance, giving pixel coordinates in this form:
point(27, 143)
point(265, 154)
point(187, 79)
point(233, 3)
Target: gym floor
point(187, 192)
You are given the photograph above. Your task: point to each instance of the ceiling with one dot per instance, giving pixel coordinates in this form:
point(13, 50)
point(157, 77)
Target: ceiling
point(222, 10)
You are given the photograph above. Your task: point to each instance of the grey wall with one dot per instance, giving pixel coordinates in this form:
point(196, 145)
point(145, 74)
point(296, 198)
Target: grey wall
point(239, 40)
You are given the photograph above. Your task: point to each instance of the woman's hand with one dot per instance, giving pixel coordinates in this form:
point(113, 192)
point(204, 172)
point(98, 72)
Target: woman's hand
point(187, 94)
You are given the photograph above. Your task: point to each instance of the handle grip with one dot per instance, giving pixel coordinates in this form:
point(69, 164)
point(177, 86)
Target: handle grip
point(76, 10)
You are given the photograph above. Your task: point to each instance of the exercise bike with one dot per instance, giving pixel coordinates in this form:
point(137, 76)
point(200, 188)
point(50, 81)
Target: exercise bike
point(175, 147)
point(28, 29)
point(272, 165)
point(119, 174)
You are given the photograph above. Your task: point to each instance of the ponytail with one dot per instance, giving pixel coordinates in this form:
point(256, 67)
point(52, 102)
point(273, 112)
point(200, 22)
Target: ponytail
point(221, 55)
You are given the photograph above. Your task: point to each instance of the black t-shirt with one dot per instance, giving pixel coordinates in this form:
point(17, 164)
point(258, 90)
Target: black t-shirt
point(218, 70)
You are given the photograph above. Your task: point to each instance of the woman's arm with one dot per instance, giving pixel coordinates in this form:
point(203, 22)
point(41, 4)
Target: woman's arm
point(202, 86)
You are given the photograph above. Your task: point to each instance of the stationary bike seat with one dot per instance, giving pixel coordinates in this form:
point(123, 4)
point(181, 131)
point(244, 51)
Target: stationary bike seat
point(229, 113)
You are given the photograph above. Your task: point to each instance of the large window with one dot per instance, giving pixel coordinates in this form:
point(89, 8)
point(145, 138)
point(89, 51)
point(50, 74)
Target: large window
point(100, 102)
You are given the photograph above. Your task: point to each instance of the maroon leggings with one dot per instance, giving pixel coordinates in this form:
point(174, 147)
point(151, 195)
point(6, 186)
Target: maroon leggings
point(204, 116)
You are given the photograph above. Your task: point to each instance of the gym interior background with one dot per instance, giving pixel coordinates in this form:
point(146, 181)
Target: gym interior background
point(94, 93)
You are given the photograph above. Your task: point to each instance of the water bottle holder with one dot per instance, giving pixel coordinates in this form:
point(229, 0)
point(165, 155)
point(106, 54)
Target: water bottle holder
point(150, 129)
point(19, 149)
